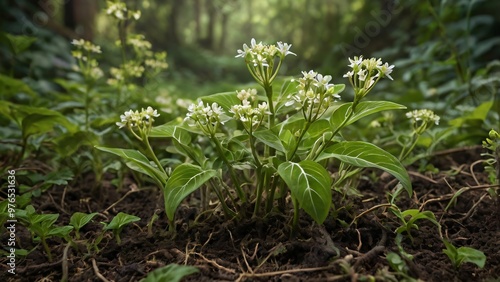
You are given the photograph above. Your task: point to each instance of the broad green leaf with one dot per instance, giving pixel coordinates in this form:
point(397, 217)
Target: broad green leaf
point(185, 179)
point(181, 135)
point(138, 162)
point(164, 130)
point(60, 231)
point(37, 123)
point(170, 273)
point(464, 254)
point(12, 86)
point(269, 138)
point(67, 144)
point(225, 99)
point(19, 43)
point(480, 113)
point(120, 220)
point(317, 128)
point(472, 255)
point(80, 219)
point(363, 154)
point(363, 109)
point(309, 183)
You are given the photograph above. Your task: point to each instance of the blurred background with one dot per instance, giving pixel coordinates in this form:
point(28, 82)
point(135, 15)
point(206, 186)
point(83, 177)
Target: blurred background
point(444, 51)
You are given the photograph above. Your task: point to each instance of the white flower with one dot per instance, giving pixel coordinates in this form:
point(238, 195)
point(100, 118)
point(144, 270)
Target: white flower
point(311, 75)
point(355, 62)
point(150, 112)
point(386, 70)
point(138, 119)
point(284, 49)
point(78, 42)
point(349, 74)
point(322, 81)
point(423, 115)
point(242, 53)
point(361, 75)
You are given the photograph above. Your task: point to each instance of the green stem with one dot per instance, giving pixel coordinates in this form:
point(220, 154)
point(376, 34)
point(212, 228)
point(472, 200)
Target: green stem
point(152, 154)
point(304, 130)
point(232, 174)
point(260, 189)
point(344, 122)
point(269, 94)
point(47, 249)
point(406, 152)
point(227, 211)
point(295, 220)
point(87, 104)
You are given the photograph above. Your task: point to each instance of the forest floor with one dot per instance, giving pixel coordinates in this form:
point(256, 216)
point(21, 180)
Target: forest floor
point(262, 250)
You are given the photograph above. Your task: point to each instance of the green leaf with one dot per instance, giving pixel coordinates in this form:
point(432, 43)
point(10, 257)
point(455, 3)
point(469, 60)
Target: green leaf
point(363, 154)
point(185, 179)
point(269, 138)
point(480, 113)
point(317, 128)
point(464, 254)
point(225, 99)
point(337, 88)
point(80, 219)
point(67, 144)
point(170, 273)
point(309, 183)
point(472, 255)
point(138, 162)
point(12, 86)
point(60, 231)
point(363, 109)
point(120, 220)
point(19, 43)
point(37, 123)
point(164, 130)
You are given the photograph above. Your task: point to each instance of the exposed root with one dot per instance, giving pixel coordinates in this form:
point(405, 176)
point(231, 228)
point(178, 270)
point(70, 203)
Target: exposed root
point(97, 273)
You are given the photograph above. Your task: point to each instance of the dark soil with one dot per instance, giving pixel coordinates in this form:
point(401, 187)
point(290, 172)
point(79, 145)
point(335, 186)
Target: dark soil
point(262, 249)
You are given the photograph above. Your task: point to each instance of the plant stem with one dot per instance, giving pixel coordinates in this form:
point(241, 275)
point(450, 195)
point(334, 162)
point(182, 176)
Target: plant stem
point(269, 94)
point(232, 174)
point(152, 154)
point(260, 189)
point(295, 215)
point(47, 249)
point(304, 130)
point(405, 153)
point(227, 211)
point(344, 122)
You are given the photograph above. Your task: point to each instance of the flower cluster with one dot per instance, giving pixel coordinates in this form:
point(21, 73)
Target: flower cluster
point(120, 11)
point(365, 73)
point(493, 142)
point(422, 119)
point(129, 69)
point(87, 65)
point(314, 96)
point(138, 42)
point(250, 117)
point(260, 59)
point(207, 118)
point(157, 62)
point(82, 44)
point(138, 119)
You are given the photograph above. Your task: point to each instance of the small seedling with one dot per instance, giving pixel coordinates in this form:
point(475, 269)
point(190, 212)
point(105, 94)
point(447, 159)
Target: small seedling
point(463, 254)
point(118, 222)
point(78, 220)
point(42, 225)
point(414, 214)
point(492, 163)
